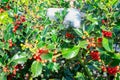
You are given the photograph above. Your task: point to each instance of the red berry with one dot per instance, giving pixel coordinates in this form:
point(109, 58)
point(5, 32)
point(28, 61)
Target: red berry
point(10, 43)
point(41, 27)
point(16, 16)
point(18, 66)
point(103, 21)
point(54, 60)
point(95, 55)
point(41, 51)
point(104, 69)
point(88, 46)
point(106, 33)
point(18, 22)
point(14, 71)
point(14, 30)
point(112, 70)
point(8, 7)
point(99, 40)
point(16, 27)
point(69, 35)
point(37, 57)
point(22, 18)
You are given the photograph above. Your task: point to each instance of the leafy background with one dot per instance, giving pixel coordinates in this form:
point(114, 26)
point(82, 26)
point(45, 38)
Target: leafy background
point(67, 58)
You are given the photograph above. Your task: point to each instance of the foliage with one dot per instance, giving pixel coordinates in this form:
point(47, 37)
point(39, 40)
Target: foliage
point(33, 47)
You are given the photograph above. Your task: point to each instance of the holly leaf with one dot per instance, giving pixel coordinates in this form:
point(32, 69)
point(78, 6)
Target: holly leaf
point(36, 69)
point(70, 52)
point(83, 44)
point(80, 76)
point(20, 58)
point(116, 56)
point(47, 56)
point(79, 32)
point(3, 76)
point(106, 45)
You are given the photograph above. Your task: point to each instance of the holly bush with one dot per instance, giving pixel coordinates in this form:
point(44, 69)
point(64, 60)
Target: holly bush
point(34, 47)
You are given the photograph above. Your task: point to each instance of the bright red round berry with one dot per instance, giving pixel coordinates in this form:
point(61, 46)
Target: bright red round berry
point(112, 70)
point(95, 55)
point(106, 33)
point(69, 35)
point(99, 40)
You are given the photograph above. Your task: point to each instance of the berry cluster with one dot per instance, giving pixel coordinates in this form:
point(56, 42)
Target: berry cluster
point(110, 70)
point(69, 35)
point(95, 55)
point(113, 70)
point(10, 43)
point(8, 7)
point(17, 68)
point(104, 69)
point(106, 33)
point(5, 69)
point(18, 22)
point(91, 43)
point(99, 42)
point(4, 8)
point(37, 56)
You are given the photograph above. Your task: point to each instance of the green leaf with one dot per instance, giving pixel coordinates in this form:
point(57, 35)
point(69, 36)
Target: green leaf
point(4, 1)
point(111, 44)
point(116, 56)
point(3, 76)
point(70, 52)
point(54, 36)
point(22, 58)
point(1, 44)
point(5, 19)
point(79, 32)
point(117, 77)
point(47, 56)
point(53, 66)
point(44, 32)
point(36, 69)
point(90, 28)
point(83, 44)
point(106, 45)
point(90, 18)
point(80, 76)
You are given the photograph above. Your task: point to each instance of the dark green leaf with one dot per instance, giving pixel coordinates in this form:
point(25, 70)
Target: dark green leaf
point(79, 32)
point(90, 28)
